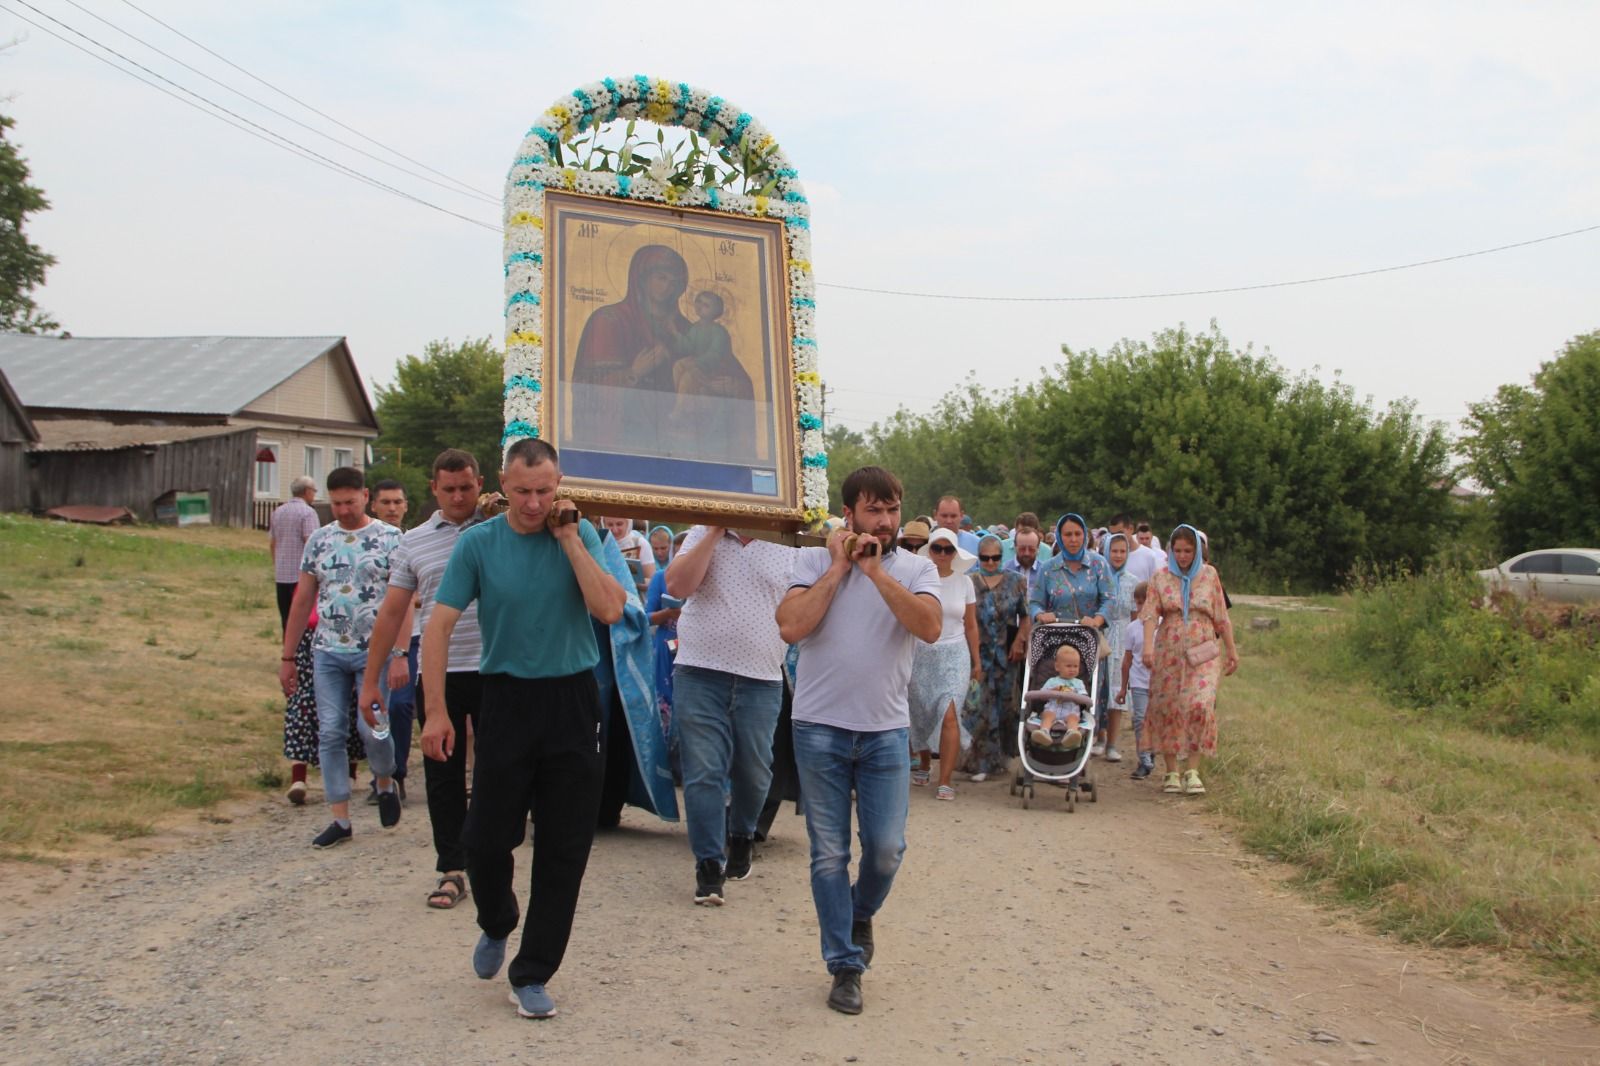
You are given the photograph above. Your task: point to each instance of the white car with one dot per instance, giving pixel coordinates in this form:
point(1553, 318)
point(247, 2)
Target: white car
point(1569, 575)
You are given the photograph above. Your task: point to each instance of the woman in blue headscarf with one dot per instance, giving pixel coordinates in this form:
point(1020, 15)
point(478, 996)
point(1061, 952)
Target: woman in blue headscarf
point(1118, 610)
point(1074, 584)
point(1191, 650)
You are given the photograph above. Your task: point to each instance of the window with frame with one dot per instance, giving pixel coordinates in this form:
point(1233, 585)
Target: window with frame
point(313, 466)
point(267, 469)
point(1542, 563)
point(343, 457)
point(1574, 565)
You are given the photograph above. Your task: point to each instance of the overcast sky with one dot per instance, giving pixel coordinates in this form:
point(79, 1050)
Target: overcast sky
point(1050, 149)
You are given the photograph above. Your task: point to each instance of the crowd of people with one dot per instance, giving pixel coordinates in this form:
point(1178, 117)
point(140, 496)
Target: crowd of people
point(559, 668)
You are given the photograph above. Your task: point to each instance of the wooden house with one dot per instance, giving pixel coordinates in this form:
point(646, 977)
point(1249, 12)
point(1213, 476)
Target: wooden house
point(123, 421)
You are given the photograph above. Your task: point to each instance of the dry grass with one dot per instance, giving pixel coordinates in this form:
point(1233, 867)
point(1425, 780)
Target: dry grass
point(139, 674)
point(1438, 831)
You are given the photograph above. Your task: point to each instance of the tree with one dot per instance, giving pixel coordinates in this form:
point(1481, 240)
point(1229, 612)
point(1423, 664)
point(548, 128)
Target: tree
point(1536, 450)
point(1295, 481)
point(22, 263)
point(449, 397)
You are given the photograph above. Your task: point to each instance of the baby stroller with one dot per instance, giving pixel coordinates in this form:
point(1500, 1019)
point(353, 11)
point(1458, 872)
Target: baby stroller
point(1063, 766)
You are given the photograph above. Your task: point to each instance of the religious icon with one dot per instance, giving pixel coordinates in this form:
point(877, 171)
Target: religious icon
point(669, 369)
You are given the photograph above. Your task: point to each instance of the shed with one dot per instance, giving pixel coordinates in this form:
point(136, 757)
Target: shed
point(16, 435)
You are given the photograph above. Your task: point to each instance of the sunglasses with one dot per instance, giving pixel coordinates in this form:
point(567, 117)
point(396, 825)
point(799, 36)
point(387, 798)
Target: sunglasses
point(912, 545)
point(942, 549)
point(988, 558)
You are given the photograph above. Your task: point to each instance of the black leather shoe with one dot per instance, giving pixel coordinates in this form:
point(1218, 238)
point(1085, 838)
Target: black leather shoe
point(846, 995)
point(861, 933)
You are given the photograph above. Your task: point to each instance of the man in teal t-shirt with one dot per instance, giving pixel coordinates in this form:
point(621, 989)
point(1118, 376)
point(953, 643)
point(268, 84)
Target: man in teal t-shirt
point(536, 581)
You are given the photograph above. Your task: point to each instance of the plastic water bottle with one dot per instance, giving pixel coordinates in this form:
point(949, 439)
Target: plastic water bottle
point(380, 717)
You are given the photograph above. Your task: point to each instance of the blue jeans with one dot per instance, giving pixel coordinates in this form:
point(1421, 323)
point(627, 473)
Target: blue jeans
point(724, 724)
point(336, 677)
point(831, 762)
point(402, 706)
point(1140, 699)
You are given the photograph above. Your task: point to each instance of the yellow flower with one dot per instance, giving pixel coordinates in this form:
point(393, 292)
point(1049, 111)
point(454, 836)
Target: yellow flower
point(569, 178)
point(524, 336)
point(802, 265)
point(524, 218)
point(673, 194)
point(761, 205)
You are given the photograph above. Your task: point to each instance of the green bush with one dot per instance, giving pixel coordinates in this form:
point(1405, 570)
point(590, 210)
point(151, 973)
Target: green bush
point(1435, 641)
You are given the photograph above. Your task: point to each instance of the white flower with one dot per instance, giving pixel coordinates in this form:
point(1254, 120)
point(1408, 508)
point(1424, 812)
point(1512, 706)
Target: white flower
point(523, 276)
point(811, 442)
point(520, 316)
point(660, 170)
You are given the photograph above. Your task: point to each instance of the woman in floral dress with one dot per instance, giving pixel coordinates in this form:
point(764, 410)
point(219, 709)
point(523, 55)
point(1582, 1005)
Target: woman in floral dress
point(1002, 597)
point(1191, 650)
point(300, 721)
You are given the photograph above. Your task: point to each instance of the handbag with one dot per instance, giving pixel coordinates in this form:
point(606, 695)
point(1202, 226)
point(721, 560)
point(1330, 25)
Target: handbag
point(1202, 653)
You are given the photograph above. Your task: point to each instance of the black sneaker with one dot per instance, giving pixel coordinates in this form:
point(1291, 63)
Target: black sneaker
point(389, 809)
point(739, 855)
point(708, 883)
point(861, 933)
point(332, 836)
point(1141, 771)
point(846, 995)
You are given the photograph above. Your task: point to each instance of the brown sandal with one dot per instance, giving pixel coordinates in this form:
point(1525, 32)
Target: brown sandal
point(442, 898)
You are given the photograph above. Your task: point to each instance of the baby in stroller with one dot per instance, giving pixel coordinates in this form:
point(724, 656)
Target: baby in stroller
point(1062, 721)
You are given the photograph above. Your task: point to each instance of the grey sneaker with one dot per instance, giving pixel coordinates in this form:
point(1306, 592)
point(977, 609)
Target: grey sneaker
point(488, 956)
point(740, 853)
point(533, 1001)
point(1112, 754)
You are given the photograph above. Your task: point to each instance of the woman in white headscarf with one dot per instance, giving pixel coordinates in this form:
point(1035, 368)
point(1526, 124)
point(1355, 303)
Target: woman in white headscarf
point(941, 671)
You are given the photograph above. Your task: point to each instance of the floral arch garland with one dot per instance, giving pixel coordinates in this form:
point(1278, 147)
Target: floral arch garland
point(664, 103)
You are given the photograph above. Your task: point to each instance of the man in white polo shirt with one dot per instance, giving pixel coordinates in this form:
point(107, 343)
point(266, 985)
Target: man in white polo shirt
point(727, 690)
point(857, 614)
point(416, 570)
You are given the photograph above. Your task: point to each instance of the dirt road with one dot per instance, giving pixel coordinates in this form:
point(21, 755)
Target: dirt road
point(1130, 932)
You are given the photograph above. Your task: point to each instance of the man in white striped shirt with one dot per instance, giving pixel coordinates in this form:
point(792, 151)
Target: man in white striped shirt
point(415, 571)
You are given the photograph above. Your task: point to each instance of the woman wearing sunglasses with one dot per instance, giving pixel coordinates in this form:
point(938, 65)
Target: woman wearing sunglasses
point(1002, 615)
point(940, 672)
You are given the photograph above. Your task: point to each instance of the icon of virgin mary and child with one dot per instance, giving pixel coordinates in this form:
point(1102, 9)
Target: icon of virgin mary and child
point(646, 380)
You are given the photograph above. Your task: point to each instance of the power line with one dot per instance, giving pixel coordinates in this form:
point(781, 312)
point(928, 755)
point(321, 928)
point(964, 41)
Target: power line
point(271, 136)
point(283, 115)
point(287, 96)
point(1210, 292)
point(261, 132)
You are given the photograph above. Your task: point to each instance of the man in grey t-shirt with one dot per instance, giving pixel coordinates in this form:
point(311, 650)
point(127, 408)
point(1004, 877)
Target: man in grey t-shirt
point(857, 614)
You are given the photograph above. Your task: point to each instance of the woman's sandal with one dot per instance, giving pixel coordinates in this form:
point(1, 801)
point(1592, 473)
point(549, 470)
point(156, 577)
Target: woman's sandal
point(442, 899)
point(920, 777)
point(945, 793)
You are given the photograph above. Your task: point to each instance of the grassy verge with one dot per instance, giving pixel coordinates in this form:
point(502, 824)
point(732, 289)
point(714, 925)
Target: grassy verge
point(138, 676)
point(1440, 832)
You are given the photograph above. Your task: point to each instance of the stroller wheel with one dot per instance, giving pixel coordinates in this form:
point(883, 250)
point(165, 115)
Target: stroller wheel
point(1094, 795)
point(1026, 799)
point(1072, 800)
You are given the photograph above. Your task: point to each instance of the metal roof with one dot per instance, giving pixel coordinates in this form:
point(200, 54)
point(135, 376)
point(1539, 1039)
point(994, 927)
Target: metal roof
point(92, 435)
point(166, 375)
